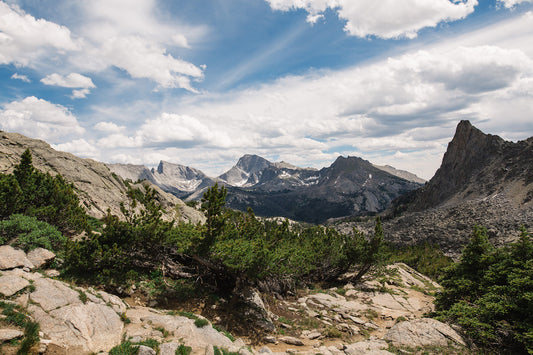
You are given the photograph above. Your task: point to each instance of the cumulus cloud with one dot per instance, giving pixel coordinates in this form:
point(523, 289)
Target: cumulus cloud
point(109, 127)
point(388, 19)
point(79, 147)
point(73, 80)
point(23, 38)
point(175, 130)
point(132, 38)
point(38, 118)
point(21, 77)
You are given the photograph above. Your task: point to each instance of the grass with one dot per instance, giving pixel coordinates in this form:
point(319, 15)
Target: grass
point(15, 316)
point(183, 350)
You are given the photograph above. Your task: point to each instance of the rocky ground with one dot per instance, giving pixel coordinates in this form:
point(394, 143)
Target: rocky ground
point(376, 317)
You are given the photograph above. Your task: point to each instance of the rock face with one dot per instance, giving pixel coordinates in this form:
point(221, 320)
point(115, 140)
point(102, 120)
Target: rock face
point(422, 332)
point(483, 180)
point(97, 187)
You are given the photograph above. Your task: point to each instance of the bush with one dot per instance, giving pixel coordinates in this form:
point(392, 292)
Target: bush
point(183, 350)
point(126, 348)
point(46, 197)
point(489, 292)
point(201, 322)
point(29, 233)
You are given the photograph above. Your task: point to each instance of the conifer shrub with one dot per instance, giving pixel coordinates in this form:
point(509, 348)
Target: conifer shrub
point(489, 293)
point(28, 233)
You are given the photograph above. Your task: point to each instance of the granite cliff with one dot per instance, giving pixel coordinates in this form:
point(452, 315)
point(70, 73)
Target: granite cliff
point(97, 187)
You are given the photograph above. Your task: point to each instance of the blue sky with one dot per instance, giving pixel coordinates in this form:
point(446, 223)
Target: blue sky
point(203, 82)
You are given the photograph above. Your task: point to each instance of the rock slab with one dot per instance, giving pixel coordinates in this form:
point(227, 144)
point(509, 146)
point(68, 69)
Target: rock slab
point(422, 332)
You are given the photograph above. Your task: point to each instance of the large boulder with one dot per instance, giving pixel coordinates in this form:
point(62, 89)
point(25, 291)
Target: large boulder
point(11, 258)
point(423, 332)
point(10, 284)
point(39, 257)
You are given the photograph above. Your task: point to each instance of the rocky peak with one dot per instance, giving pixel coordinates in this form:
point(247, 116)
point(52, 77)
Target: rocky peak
point(475, 165)
point(253, 163)
point(178, 170)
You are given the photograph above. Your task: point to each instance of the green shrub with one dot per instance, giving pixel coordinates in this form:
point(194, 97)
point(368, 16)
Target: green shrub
point(201, 322)
point(489, 292)
point(126, 348)
point(29, 233)
point(183, 350)
point(31, 337)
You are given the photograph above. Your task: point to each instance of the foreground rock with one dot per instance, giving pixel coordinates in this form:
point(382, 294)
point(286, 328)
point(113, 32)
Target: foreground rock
point(423, 332)
point(11, 258)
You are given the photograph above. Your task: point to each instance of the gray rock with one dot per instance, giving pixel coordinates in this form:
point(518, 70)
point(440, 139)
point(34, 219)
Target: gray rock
point(313, 335)
point(291, 341)
point(270, 339)
point(52, 294)
point(145, 350)
point(144, 320)
point(9, 334)
point(265, 350)
point(168, 348)
point(367, 347)
point(9, 284)
point(11, 258)
point(422, 332)
point(52, 273)
point(80, 327)
point(40, 257)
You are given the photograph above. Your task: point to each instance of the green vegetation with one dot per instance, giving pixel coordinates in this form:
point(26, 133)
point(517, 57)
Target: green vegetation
point(201, 322)
point(230, 251)
point(29, 233)
point(125, 348)
point(183, 350)
point(489, 293)
point(48, 198)
point(16, 316)
point(425, 258)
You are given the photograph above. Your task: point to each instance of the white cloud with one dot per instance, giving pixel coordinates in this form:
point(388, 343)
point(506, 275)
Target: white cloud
point(134, 39)
point(23, 38)
point(79, 147)
point(109, 127)
point(175, 130)
point(80, 93)
point(21, 77)
point(386, 19)
point(73, 80)
point(38, 118)
point(511, 3)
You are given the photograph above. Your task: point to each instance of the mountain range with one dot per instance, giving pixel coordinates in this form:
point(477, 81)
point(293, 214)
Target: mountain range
point(350, 186)
point(483, 180)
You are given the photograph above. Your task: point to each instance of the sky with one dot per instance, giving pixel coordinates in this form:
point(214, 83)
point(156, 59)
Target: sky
point(203, 82)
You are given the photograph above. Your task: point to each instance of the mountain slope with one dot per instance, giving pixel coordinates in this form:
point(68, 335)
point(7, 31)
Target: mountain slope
point(97, 187)
point(179, 180)
point(483, 180)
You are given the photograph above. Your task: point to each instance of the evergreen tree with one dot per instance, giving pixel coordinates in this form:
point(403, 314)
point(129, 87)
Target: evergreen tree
point(213, 202)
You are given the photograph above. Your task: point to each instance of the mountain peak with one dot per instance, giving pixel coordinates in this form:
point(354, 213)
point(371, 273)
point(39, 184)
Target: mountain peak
point(252, 163)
